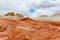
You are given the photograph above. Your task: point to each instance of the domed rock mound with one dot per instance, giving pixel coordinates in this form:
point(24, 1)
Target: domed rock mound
point(10, 14)
point(19, 15)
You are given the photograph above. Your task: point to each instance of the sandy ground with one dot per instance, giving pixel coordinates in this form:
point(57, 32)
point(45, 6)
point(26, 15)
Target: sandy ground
point(55, 18)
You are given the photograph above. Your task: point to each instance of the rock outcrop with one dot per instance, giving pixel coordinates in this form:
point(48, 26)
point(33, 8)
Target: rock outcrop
point(28, 29)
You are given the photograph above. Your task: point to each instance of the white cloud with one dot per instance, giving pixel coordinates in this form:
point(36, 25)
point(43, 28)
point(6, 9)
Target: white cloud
point(46, 7)
point(40, 7)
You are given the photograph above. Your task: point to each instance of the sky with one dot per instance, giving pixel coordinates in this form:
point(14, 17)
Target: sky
point(30, 8)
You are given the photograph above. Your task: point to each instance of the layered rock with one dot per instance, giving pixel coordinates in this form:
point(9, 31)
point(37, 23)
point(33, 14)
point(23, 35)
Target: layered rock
point(28, 29)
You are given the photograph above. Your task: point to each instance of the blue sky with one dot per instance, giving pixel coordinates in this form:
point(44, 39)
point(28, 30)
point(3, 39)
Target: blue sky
point(31, 8)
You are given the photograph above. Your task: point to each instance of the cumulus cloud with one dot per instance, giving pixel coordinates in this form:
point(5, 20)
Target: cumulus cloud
point(31, 8)
point(45, 7)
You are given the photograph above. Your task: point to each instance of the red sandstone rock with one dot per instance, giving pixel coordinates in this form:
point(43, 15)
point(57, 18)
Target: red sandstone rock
point(28, 29)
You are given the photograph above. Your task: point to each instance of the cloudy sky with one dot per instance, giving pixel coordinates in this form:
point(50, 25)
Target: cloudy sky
point(31, 8)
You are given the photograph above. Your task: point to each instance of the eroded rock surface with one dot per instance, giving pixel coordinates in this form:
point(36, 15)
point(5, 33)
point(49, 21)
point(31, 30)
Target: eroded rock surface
point(28, 29)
